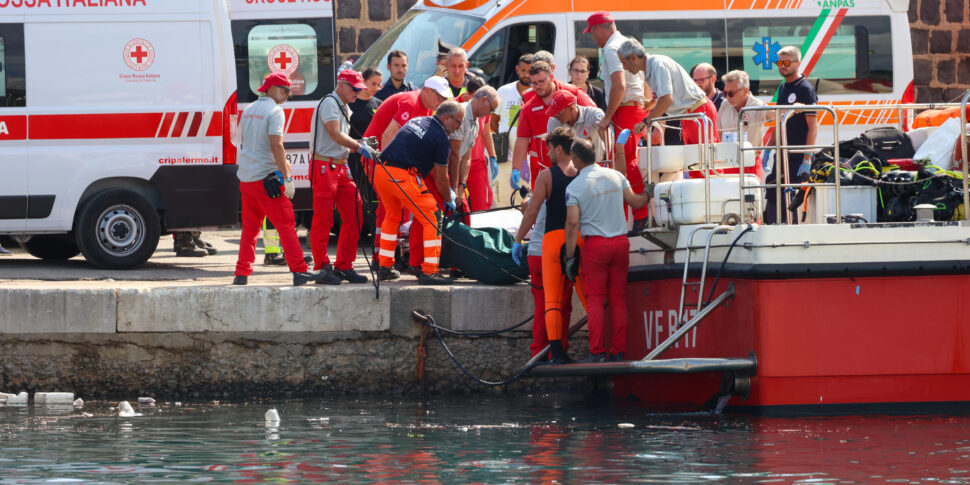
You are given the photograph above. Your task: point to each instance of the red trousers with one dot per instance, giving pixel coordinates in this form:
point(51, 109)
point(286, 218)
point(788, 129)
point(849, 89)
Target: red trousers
point(625, 118)
point(333, 185)
point(691, 130)
point(604, 262)
point(255, 206)
point(540, 339)
point(479, 190)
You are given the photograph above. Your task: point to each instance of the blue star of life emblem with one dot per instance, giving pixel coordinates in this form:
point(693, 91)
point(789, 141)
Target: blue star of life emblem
point(767, 52)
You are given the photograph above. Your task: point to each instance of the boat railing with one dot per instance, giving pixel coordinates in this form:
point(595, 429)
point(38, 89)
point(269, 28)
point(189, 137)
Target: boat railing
point(705, 147)
point(782, 149)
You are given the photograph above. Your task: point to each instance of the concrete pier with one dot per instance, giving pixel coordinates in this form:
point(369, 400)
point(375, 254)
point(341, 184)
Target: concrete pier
point(176, 327)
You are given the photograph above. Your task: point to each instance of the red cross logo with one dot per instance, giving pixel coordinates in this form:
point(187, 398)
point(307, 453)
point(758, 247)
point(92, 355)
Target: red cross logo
point(283, 58)
point(139, 54)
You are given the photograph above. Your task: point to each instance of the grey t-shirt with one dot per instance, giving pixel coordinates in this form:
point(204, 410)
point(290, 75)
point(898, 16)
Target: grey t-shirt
point(665, 77)
point(598, 191)
point(258, 121)
point(612, 64)
point(467, 132)
point(585, 127)
point(330, 110)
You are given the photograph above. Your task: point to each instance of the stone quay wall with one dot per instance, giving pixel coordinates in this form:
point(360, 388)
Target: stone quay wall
point(940, 31)
point(214, 342)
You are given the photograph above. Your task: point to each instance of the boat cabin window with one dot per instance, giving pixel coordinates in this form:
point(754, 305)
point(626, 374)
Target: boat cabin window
point(858, 58)
point(498, 56)
point(303, 49)
point(13, 86)
point(687, 41)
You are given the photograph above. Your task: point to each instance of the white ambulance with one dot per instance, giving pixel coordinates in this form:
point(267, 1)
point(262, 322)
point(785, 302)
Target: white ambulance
point(295, 37)
point(854, 51)
point(114, 125)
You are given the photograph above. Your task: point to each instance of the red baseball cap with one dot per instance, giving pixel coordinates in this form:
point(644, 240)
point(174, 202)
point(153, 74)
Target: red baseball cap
point(353, 78)
point(275, 79)
point(560, 100)
point(598, 18)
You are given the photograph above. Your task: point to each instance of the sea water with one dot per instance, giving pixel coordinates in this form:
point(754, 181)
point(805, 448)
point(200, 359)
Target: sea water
point(470, 439)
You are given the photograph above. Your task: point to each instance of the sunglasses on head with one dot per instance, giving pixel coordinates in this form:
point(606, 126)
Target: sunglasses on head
point(785, 63)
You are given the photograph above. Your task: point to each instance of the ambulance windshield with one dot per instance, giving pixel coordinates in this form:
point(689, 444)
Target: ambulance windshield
point(417, 34)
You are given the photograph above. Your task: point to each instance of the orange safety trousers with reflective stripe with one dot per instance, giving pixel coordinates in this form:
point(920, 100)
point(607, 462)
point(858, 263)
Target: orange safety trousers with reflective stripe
point(400, 189)
point(555, 284)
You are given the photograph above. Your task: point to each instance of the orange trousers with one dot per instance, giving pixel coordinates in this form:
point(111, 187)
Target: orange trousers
point(401, 189)
point(556, 286)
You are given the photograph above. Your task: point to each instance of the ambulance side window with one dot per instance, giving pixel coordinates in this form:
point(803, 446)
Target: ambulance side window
point(498, 56)
point(13, 88)
point(687, 41)
point(857, 58)
point(301, 48)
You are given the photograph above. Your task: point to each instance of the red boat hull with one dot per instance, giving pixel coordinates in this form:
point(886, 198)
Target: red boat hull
point(818, 341)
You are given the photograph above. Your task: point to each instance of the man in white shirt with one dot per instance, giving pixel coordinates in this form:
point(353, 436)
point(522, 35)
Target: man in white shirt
point(738, 94)
point(625, 97)
point(506, 117)
point(584, 120)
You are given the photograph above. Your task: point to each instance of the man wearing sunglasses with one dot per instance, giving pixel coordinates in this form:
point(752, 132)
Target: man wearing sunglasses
point(802, 127)
point(737, 92)
point(262, 162)
point(333, 184)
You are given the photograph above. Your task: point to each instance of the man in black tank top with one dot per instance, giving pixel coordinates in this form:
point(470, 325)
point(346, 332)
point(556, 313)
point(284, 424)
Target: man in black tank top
point(550, 189)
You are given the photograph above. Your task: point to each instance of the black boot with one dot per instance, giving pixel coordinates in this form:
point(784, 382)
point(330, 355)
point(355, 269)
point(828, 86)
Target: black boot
point(556, 354)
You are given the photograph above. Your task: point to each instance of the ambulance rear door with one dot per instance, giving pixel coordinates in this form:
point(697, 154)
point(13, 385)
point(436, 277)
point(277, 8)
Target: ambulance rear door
point(13, 125)
point(296, 38)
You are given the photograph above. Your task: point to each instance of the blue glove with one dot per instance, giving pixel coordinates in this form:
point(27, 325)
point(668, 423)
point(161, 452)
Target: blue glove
point(805, 167)
point(450, 205)
point(623, 137)
point(515, 180)
point(493, 166)
point(518, 250)
point(367, 152)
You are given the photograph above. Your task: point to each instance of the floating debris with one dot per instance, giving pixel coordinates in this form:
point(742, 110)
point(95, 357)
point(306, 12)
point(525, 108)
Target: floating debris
point(146, 401)
point(53, 398)
point(272, 417)
point(126, 411)
point(318, 420)
point(13, 399)
point(625, 425)
point(78, 403)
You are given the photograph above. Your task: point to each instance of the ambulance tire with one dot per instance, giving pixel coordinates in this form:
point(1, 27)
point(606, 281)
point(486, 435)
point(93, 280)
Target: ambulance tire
point(117, 229)
point(51, 247)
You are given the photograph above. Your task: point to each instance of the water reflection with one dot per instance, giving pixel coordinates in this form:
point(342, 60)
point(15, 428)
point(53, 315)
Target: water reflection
point(533, 439)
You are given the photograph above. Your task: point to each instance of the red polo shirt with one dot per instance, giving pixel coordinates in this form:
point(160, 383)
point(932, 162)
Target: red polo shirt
point(533, 119)
point(400, 107)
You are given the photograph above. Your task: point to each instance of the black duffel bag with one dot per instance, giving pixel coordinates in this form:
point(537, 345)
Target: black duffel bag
point(888, 142)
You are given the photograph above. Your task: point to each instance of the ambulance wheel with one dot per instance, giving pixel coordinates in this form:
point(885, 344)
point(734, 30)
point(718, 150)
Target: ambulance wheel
point(117, 229)
point(51, 247)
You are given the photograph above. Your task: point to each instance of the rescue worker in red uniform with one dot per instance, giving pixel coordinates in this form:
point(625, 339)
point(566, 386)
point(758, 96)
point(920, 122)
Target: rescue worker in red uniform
point(533, 120)
point(394, 113)
point(420, 148)
point(333, 183)
point(550, 190)
point(595, 216)
point(261, 155)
